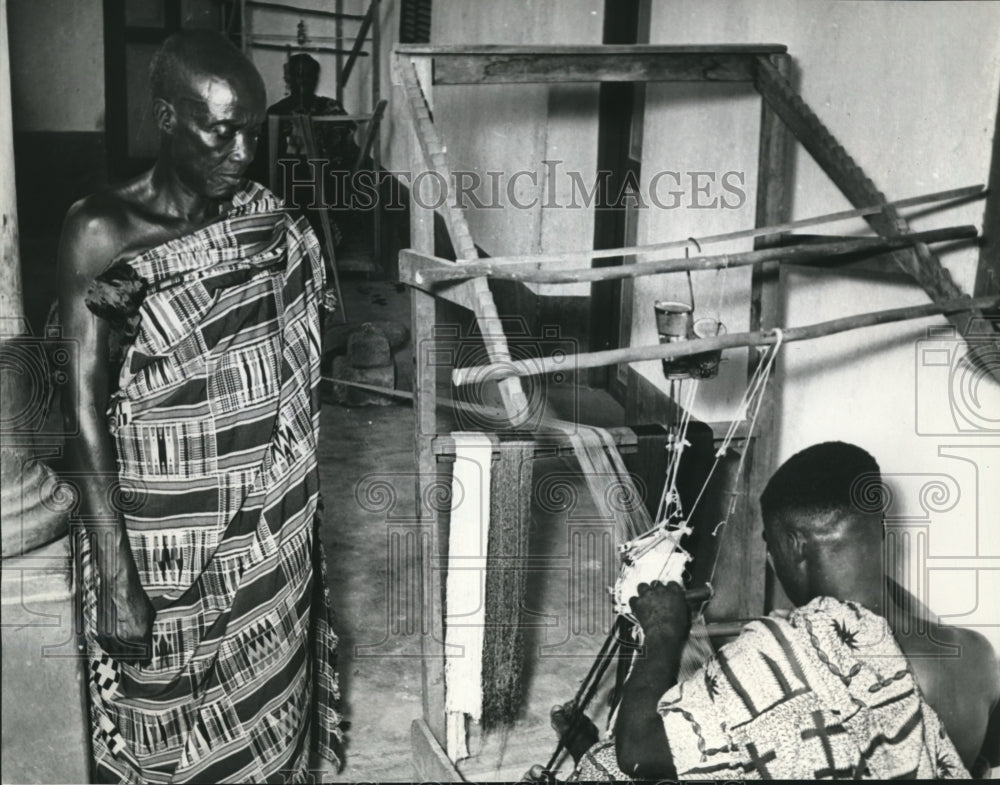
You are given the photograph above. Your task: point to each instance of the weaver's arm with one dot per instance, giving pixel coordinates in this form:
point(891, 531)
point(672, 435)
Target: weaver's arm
point(640, 742)
point(124, 612)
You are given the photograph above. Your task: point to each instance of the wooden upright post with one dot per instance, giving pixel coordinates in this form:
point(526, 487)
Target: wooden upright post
point(424, 315)
point(773, 206)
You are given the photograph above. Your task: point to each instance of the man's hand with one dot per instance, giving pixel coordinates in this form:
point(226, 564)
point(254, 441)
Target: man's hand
point(124, 613)
point(662, 610)
point(642, 748)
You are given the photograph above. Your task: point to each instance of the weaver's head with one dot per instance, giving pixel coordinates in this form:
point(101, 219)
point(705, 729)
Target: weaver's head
point(302, 75)
point(823, 534)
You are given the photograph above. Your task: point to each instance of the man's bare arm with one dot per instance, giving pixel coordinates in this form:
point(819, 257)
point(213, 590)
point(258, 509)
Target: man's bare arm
point(640, 741)
point(125, 614)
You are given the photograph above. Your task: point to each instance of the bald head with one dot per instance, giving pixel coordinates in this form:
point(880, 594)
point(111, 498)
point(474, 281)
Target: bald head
point(190, 54)
point(208, 104)
point(822, 528)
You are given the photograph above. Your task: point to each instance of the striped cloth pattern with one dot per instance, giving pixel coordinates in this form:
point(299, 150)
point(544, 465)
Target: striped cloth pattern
point(826, 694)
point(216, 422)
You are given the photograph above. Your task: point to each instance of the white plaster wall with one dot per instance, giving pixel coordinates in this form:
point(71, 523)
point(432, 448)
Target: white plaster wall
point(515, 128)
point(910, 90)
point(52, 43)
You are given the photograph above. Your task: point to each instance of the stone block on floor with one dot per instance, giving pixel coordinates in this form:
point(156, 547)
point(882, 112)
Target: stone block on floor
point(367, 347)
point(384, 376)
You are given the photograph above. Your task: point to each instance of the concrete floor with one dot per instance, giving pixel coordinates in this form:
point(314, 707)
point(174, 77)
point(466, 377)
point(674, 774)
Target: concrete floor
point(367, 480)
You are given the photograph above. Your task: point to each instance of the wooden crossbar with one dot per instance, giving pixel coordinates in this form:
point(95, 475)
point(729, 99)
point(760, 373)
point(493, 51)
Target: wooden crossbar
point(539, 261)
point(523, 64)
point(669, 351)
point(420, 275)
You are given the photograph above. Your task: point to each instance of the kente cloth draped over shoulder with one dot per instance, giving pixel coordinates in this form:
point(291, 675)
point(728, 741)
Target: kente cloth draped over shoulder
point(215, 423)
point(825, 694)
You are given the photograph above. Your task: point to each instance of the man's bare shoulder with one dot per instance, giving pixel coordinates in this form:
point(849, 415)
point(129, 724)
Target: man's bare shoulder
point(96, 228)
point(975, 661)
point(981, 655)
point(973, 643)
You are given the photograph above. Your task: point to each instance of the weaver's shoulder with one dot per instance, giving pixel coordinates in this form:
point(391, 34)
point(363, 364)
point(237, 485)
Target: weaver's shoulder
point(977, 652)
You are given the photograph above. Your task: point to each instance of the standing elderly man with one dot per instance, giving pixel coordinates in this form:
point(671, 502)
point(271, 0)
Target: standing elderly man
point(830, 692)
point(194, 298)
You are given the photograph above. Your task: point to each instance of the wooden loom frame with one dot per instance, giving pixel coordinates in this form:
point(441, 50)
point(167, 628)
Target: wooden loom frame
point(785, 116)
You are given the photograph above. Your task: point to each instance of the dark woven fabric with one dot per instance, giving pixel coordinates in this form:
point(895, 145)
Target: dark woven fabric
point(506, 582)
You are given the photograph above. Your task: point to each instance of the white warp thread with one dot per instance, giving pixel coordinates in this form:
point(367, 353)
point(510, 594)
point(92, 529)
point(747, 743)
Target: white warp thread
point(465, 587)
point(656, 556)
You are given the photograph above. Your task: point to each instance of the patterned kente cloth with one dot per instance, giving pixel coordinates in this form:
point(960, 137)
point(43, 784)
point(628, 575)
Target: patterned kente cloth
point(215, 423)
point(825, 694)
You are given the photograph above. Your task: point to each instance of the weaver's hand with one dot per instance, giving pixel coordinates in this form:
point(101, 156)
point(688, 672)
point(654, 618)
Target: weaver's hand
point(124, 613)
point(662, 610)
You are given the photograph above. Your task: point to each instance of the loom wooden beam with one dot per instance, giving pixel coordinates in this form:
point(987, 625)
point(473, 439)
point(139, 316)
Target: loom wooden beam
point(547, 443)
point(747, 566)
point(490, 326)
point(412, 267)
point(433, 548)
point(669, 351)
point(561, 64)
point(541, 261)
point(356, 50)
point(303, 11)
point(423, 272)
point(919, 262)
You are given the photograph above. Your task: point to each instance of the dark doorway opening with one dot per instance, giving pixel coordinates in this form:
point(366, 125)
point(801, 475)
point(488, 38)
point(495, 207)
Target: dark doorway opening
point(133, 30)
point(619, 154)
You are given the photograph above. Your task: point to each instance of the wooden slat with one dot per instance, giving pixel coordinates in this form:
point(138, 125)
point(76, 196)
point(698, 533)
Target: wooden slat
point(359, 42)
point(302, 11)
point(412, 265)
point(811, 253)
point(774, 196)
point(487, 318)
point(592, 67)
point(339, 62)
point(423, 315)
point(328, 50)
point(616, 50)
point(920, 262)
point(585, 257)
point(548, 442)
point(540, 366)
